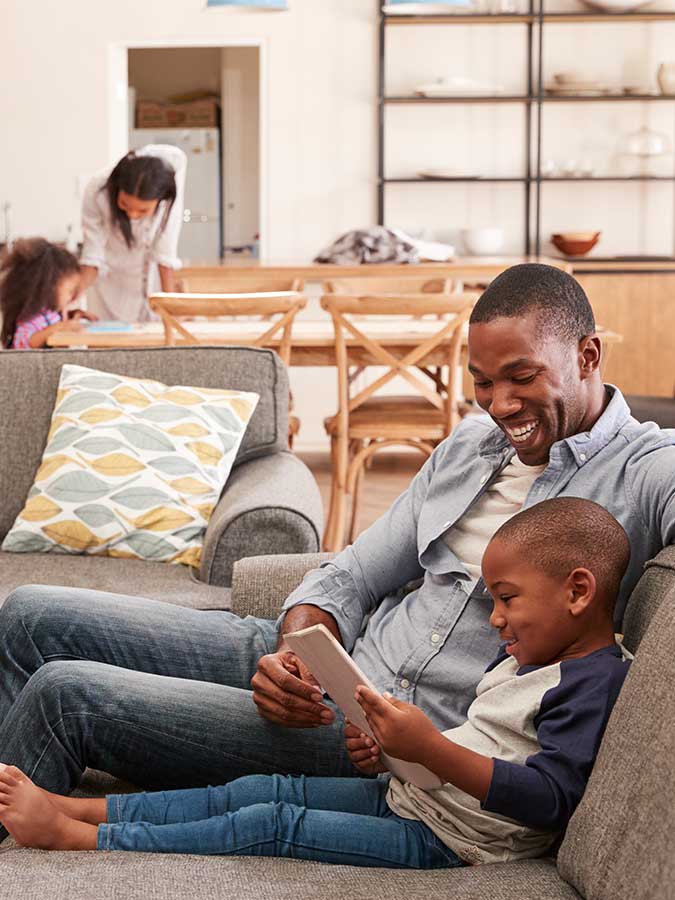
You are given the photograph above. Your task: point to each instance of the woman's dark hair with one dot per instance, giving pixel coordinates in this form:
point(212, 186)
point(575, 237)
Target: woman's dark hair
point(29, 280)
point(145, 177)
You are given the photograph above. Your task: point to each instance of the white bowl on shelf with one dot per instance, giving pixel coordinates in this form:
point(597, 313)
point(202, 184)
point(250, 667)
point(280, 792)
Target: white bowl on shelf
point(483, 241)
point(616, 6)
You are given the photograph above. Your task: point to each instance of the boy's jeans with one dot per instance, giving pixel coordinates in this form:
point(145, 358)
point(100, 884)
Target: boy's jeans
point(334, 820)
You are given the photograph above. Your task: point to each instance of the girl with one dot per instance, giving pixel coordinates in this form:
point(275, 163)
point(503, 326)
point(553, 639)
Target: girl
point(38, 282)
point(131, 220)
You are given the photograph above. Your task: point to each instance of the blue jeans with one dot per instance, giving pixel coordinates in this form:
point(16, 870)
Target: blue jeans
point(147, 691)
point(334, 820)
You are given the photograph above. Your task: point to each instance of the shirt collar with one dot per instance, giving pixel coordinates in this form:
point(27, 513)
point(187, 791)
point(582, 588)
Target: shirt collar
point(583, 445)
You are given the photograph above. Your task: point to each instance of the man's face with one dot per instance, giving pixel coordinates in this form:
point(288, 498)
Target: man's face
point(530, 607)
point(533, 386)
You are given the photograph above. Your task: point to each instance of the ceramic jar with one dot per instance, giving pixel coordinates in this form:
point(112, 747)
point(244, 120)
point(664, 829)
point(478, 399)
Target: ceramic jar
point(665, 75)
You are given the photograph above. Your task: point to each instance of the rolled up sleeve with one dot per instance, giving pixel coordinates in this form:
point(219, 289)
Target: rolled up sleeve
point(381, 560)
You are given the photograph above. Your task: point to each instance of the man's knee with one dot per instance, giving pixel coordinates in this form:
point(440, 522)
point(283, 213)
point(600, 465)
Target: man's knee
point(62, 686)
point(21, 605)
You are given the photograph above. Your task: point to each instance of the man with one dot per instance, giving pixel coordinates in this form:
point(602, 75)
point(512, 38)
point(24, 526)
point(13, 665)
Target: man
point(161, 695)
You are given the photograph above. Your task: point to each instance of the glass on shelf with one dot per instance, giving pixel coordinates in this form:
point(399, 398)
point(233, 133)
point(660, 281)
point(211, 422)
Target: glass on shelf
point(645, 152)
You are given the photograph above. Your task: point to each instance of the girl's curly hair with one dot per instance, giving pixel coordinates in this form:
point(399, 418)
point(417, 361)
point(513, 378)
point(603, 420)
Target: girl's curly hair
point(29, 279)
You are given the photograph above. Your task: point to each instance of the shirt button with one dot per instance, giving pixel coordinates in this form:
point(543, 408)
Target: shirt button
point(435, 638)
point(582, 457)
point(405, 684)
point(483, 479)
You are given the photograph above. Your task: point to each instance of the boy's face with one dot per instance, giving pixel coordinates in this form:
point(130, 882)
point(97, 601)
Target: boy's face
point(531, 608)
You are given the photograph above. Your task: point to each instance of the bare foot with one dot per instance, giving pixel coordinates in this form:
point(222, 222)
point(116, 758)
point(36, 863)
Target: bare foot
point(33, 821)
point(93, 810)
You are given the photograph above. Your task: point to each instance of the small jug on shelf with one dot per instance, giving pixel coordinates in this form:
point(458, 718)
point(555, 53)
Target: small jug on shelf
point(665, 75)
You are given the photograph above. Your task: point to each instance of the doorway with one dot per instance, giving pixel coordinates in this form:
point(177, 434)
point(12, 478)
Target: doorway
point(208, 100)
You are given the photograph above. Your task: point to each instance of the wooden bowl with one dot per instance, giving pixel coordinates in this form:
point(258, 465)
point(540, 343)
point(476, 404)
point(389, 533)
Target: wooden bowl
point(576, 243)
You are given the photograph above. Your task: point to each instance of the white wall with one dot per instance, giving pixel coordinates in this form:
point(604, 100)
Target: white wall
point(320, 136)
point(240, 80)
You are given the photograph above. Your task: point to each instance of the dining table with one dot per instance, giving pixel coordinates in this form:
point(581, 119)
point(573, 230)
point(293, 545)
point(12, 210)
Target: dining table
point(313, 341)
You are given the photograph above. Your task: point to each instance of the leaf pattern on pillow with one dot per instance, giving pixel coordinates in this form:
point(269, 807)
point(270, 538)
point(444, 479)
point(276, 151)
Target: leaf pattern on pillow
point(132, 469)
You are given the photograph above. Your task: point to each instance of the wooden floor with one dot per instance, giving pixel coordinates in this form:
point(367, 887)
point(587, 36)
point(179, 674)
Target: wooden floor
point(389, 475)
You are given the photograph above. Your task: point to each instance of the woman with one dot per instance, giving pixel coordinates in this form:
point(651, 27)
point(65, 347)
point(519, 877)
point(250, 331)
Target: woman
point(131, 220)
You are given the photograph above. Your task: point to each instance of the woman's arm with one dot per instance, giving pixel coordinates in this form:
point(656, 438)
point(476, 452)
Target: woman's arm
point(167, 278)
point(88, 275)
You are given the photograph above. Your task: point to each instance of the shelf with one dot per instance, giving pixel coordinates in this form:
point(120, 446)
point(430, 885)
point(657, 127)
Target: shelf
point(527, 18)
point(532, 98)
point(462, 19)
point(460, 180)
point(492, 98)
point(635, 178)
point(604, 98)
point(468, 179)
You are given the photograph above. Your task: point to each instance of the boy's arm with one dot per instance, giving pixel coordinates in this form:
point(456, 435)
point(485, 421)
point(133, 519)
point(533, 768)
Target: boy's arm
point(544, 792)
point(404, 731)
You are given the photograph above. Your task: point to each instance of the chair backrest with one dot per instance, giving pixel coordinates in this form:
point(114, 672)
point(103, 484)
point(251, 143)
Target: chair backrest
point(175, 309)
point(435, 341)
point(210, 281)
point(395, 284)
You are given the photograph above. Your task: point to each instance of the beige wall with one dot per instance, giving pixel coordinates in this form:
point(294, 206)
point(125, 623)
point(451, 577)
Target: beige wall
point(320, 81)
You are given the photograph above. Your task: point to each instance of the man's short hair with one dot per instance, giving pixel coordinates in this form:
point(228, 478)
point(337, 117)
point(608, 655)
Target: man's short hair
point(558, 299)
point(568, 533)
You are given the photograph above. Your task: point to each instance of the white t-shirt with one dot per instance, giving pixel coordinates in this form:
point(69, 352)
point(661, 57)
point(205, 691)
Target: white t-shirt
point(469, 537)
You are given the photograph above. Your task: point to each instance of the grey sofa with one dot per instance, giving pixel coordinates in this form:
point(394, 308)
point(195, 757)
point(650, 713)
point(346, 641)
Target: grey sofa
point(271, 503)
point(620, 844)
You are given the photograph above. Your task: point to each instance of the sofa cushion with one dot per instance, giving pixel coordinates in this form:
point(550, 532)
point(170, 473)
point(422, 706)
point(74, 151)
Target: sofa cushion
point(133, 468)
point(29, 378)
point(36, 875)
point(174, 584)
point(620, 843)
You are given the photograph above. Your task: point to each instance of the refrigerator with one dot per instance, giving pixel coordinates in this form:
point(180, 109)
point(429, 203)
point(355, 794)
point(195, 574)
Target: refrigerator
point(201, 237)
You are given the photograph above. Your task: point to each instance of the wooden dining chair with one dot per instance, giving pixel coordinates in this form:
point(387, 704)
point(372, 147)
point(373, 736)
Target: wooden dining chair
point(367, 420)
point(210, 281)
point(394, 284)
point(178, 311)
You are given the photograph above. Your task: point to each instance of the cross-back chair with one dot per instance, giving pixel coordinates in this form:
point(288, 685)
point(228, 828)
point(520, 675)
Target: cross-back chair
point(367, 420)
point(394, 284)
point(210, 281)
point(178, 311)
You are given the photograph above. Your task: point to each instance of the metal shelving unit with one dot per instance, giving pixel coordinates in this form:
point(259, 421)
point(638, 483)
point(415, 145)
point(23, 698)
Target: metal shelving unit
point(535, 99)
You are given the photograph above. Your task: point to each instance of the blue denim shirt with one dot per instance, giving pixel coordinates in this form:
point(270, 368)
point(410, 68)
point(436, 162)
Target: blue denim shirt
point(430, 646)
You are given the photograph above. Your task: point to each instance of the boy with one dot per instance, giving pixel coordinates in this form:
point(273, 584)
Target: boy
point(513, 773)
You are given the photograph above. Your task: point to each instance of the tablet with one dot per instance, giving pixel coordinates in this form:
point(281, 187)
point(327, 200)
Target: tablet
point(338, 675)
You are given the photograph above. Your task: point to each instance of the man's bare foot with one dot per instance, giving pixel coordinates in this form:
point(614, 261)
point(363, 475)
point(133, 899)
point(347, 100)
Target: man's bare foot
point(33, 821)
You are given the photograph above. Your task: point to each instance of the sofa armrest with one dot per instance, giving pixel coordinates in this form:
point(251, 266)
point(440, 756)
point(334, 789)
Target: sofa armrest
point(260, 584)
point(270, 505)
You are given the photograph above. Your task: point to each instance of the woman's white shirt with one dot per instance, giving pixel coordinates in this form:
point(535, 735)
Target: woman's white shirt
point(127, 275)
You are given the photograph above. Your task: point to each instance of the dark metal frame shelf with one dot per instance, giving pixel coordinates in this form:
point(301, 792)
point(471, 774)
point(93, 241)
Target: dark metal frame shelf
point(534, 101)
point(531, 98)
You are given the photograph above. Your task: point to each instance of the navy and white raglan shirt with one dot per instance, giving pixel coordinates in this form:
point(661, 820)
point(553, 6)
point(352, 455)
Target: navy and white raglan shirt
point(542, 725)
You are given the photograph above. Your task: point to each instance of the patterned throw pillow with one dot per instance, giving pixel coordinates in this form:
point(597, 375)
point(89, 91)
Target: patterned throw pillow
point(132, 468)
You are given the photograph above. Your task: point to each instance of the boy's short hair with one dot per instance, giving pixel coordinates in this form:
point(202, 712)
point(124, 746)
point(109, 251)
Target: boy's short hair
point(567, 533)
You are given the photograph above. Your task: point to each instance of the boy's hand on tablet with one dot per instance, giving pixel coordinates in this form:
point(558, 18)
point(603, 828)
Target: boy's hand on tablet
point(400, 728)
point(363, 751)
point(286, 693)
